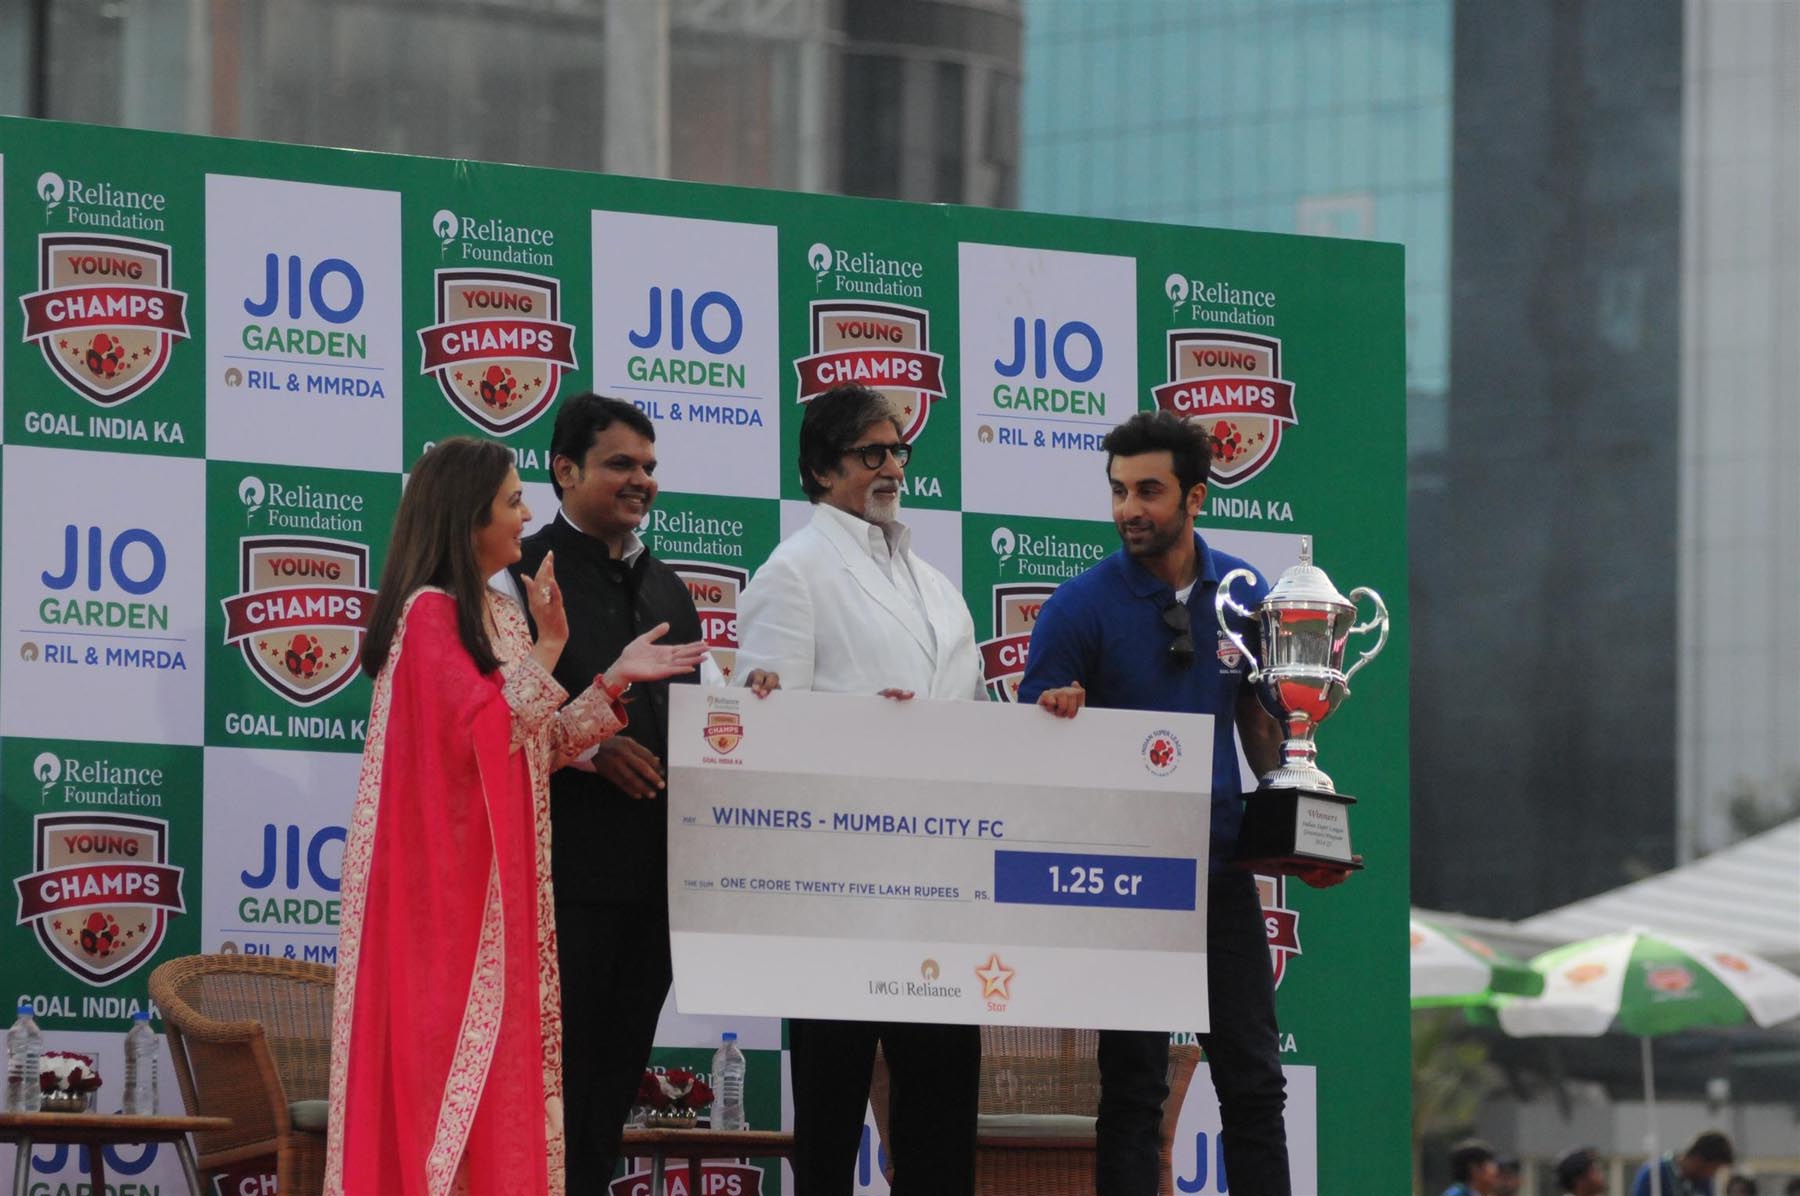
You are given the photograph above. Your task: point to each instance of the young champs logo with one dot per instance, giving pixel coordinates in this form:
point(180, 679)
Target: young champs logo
point(499, 349)
point(1280, 924)
point(884, 346)
point(101, 891)
point(715, 590)
point(105, 314)
point(724, 728)
point(301, 610)
point(1230, 383)
point(1003, 658)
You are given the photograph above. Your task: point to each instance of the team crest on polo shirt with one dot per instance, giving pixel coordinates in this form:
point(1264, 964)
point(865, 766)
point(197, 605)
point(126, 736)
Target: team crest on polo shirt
point(104, 313)
point(1230, 383)
point(100, 892)
point(1229, 654)
point(1281, 923)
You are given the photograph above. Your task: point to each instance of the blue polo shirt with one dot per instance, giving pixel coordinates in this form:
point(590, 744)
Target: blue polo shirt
point(1105, 629)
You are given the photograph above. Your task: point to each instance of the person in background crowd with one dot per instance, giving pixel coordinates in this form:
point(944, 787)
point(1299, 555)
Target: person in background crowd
point(1580, 1173)
point(1474, 1170)
point(1132, 633)
point(446, 1054)
point(609, 846)
point(846, 606)
point(1691, 1172)
point(1507, 1184)
point(1740, 1185)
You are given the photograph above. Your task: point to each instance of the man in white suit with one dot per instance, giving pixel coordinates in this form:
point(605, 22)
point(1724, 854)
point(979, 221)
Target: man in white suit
point(845, 606)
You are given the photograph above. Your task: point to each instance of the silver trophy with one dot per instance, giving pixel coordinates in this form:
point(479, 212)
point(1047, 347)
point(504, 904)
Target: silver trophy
point(1297, 820)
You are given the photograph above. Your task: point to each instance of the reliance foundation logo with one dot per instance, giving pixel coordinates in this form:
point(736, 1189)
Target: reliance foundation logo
point(884, 346)
point(74, 781)
point(1230, 383)
point(1044, 555)
point(105, 315)
point(300, 613)
point(858, 272)
point(494, 242)
point(100, 893)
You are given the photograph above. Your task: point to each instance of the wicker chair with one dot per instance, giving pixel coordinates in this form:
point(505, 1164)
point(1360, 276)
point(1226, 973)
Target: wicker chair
point(251, 1040)
point(1040, 1090)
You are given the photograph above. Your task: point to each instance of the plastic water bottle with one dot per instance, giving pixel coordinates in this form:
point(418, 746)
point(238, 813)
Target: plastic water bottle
point(728, 1085)
point(24, 1062)
point(140, 1066)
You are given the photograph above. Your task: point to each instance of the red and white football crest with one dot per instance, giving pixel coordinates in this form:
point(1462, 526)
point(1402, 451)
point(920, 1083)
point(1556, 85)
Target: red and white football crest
point(100, 892)
point(499, 348)
point(1231, 384)
point(302, 606)
point(1003, 658)
point(884, 346)
point(104, 313)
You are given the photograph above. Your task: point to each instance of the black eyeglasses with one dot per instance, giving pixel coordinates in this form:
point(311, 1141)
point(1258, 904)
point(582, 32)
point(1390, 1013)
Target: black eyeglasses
point(1175, 618)
point(873, 454)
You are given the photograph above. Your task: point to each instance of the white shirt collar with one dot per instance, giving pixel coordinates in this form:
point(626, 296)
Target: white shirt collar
point(881, 541)
point(634, 547)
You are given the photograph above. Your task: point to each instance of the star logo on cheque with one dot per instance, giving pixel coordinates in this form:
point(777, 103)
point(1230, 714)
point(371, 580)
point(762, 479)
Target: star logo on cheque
point(995, 977)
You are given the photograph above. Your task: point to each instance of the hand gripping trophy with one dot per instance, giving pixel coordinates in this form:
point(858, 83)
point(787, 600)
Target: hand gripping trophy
point(1297, 820)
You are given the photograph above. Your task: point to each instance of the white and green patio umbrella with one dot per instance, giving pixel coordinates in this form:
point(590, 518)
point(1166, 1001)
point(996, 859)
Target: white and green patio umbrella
point(1646, 984)
point(1449, 967)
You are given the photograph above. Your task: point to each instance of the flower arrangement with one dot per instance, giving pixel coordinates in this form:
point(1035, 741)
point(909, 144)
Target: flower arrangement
point(67, 1079)
point(673, 1097)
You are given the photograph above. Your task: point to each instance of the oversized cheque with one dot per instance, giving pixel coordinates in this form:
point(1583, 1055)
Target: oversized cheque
point(849, 857)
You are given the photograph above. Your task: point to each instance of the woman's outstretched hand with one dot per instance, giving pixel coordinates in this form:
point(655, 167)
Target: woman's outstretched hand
point(646, 660)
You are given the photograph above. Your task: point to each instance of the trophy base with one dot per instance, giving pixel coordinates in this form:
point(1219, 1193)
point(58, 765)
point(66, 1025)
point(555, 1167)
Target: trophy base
point(1288, 831)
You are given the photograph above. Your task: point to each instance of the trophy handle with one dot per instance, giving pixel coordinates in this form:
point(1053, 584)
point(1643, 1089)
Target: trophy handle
point(1379, 622)
point(1223, 601)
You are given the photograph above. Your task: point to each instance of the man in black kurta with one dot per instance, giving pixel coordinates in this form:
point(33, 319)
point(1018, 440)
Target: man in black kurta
point(608, 815)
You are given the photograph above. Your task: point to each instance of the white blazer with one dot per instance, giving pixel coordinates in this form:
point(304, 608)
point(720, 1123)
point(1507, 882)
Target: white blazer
point(822, 614)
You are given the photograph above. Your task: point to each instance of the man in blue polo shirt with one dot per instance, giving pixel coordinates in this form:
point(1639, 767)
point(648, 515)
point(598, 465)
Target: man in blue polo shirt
point(1137, 632)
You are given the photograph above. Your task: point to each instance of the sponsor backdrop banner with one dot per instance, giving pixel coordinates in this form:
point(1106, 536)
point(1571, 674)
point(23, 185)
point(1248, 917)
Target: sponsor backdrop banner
point(218, 359)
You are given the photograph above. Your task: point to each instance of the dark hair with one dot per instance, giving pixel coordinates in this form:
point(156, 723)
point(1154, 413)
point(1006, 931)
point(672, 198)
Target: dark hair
point(583, 417)
point(448, 496)
point(1467, 1155)
point(1712, 1147)
point(1190, 447)
point(1573, 1165)
point(831, 424)
point(1741, 1185)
